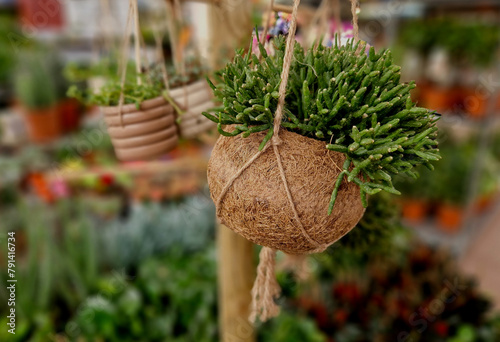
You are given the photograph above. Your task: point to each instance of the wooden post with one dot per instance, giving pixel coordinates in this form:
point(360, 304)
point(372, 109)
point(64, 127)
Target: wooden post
point(230, 27)
point(236, 275)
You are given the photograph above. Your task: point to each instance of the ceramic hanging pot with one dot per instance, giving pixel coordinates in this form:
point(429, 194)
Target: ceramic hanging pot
point(144, 133)
point(193, 99)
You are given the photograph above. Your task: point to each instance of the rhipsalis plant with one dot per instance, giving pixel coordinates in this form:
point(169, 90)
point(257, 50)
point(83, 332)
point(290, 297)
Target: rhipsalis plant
point(352, 100)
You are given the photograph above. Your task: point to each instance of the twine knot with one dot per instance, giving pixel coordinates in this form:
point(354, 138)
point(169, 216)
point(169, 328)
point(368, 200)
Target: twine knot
point(276, 140)
point(265, 289)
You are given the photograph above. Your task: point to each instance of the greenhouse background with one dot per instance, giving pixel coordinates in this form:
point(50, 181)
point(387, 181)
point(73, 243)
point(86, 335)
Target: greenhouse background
point(106, 236)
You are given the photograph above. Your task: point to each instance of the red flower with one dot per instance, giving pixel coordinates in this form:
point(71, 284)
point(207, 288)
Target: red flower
point(320, 314)
point(107, 179)
point(441, 328)
point(340, 316)
point(347, 292)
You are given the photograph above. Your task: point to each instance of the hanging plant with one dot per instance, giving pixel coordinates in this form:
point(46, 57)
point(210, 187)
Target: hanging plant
point(188, 90)
point(138, 112)
point(353, 102)
point(109, 94)
point(305, 137)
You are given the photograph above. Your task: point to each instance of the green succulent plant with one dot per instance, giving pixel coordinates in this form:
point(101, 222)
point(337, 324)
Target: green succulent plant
point(35, 81)
point(466, 41)
point(109, 94)
point(352, 101)
point(152, 83)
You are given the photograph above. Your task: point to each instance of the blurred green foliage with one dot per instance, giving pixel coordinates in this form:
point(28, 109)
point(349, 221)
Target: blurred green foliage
point(38, 79)
point(466, 41)
point(109, 94)
point(7, 51)
point(451, 178)
point(378, 231)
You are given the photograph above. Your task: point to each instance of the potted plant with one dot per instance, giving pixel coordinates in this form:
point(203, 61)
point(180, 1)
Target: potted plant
point(137, 110)
point(35, 91)
point(192, 95)
point(418, 195)
point(140, 129)
point(488, 184)
point(348, 127)
point(451, 186)
point(7, 58)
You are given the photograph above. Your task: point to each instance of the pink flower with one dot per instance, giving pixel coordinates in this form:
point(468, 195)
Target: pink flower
point(60, 188)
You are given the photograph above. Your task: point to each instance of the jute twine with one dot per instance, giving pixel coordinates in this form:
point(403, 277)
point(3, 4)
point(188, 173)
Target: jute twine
point(122, 70)
point(268, 22)
point(355, 25)
point(266, 288)
point(133, 20)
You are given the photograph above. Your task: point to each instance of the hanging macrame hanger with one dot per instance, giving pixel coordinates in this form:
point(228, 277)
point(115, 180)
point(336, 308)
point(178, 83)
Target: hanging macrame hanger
point(174, 15)
point(355, 25)
point(170, 29)
point(266, 288)
point(137, 42)
point(133, 15)
point(267, 24)
point(160, 58)
point(124, 61)
point(178, 15)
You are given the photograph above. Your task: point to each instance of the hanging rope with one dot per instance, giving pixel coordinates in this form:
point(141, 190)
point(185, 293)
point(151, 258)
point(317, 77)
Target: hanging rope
point(137, 42)
point(267, 23)
point(265, 288)
point(123, 64)
point(160, 57)
point(355, 25)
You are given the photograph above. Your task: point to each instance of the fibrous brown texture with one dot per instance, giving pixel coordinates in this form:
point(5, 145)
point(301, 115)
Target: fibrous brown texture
point(256, 205)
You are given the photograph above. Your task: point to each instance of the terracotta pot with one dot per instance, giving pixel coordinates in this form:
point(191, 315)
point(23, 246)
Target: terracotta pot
point(43, 124)
point(475, 104)
point(414, 210)
point(69, 115)
point(194, 99)
point(450, 217)
point(438, 99)
point(142, 134)
point(483, 203)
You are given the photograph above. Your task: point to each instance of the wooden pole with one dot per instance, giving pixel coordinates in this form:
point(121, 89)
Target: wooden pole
point(236, 275)
point(230, 27)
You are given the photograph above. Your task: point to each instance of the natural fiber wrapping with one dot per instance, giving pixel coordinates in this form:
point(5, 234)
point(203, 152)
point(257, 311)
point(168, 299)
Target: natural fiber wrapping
point(256, 206)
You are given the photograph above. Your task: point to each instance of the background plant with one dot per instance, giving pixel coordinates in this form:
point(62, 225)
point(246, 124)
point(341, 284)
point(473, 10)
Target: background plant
point(35, 80)
point(449, 183)
point(469, 42)
point(152, 85)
